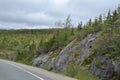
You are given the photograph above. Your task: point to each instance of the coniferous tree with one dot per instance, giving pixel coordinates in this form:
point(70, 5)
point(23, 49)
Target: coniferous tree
point(118, 9)
point(90, 22)
point(96, 21)
point(100, 19)
point(114, 17)
point(115, 13)
point(96, 25)
point(79, 26)
point(109, 16)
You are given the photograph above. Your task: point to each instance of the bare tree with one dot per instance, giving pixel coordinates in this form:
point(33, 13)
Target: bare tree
point(68, 23)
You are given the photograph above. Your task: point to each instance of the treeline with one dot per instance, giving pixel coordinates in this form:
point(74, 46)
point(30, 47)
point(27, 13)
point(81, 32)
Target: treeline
point(28, 31)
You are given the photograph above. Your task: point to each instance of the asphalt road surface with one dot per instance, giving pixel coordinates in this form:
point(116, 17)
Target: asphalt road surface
point(10, 71)
point(17, 71)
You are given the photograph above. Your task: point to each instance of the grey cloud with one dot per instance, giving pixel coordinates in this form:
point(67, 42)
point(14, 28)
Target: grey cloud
point(39, 18)
point(44, 13)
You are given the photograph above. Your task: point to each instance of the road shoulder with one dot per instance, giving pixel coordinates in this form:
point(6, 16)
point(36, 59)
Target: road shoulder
point(43, 73)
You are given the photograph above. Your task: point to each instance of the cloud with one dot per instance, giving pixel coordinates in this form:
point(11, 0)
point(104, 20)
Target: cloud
point(60, 2)
point(44, 13)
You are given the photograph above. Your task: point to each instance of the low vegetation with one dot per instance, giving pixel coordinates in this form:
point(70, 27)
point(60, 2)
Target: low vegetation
point(75, 71)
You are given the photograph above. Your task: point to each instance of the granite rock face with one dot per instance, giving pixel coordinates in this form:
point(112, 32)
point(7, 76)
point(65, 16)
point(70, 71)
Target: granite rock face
point(72, 53)
point(107, 68)
point(75, 53)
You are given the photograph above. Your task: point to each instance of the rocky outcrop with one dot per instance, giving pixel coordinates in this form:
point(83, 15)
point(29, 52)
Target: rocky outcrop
point(105, 68)
point(75, 53)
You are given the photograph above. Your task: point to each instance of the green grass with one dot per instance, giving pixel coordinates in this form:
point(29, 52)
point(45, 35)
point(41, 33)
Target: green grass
point(84, 75)
point(75, 71)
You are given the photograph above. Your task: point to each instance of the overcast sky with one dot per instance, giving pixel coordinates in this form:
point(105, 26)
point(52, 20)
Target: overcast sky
point(30, 14)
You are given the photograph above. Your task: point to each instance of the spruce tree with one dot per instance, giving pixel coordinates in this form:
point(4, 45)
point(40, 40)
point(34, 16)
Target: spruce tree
point(114, 17)
point(96, 21)
point(109, 16)
point(79, 26)
point(100, 19)
point(118, 9)
point(90, 22)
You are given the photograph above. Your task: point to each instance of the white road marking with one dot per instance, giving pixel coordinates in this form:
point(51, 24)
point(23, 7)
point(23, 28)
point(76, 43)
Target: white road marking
point(22, 69)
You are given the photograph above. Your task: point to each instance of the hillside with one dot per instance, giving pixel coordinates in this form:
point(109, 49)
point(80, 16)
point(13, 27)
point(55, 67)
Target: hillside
point(94, 51)
point(77, 52)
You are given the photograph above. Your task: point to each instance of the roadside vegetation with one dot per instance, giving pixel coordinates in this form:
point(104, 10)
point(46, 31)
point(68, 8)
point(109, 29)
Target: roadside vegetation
point(75, 71)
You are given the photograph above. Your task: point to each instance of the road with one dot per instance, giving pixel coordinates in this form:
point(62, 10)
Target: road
point(10, 71)
point(16, 71)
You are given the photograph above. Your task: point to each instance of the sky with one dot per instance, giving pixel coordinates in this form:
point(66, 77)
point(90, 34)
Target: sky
point(39, 14)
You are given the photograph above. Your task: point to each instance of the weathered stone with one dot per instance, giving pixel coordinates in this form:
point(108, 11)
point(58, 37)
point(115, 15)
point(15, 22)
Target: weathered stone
point(109, 69)
point(40, 61)
point(102, 74)
point(117, 67)
point(83, 50)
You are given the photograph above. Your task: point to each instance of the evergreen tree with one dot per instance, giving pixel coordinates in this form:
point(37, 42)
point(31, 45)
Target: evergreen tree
point(79, 26)
point(96, 21)
point(109, 16)
point(100, 19)
point(114, 17)
point(72, 31)
point(118, 9)
point(96, 27)
point(115, 13)
point(90, 22)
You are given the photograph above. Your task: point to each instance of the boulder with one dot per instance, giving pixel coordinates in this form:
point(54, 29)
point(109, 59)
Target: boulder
point(40, 61)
